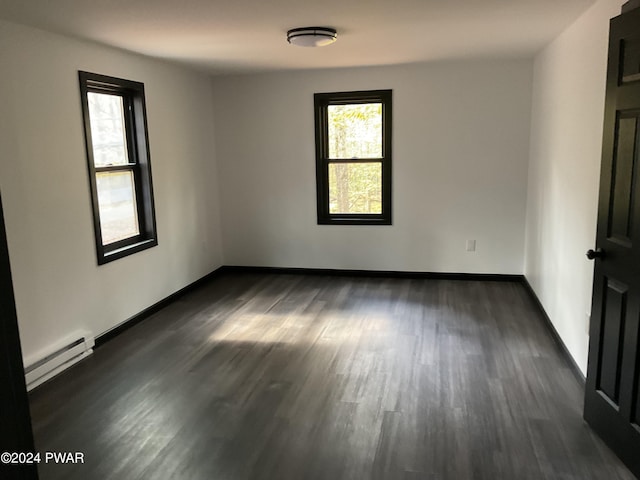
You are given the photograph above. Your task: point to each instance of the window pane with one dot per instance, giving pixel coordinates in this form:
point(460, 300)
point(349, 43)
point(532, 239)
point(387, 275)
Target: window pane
point(355, 131)
point(355, 188)
point(106, 113)
point(117, 203)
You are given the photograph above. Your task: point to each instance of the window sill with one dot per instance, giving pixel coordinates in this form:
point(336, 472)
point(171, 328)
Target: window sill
point(106, 257)
point(354, 221)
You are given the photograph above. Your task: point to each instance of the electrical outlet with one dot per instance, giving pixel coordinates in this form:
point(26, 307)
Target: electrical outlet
point(471, 245)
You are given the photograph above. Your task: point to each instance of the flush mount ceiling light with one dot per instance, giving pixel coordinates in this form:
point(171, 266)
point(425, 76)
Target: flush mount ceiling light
point(312, 36)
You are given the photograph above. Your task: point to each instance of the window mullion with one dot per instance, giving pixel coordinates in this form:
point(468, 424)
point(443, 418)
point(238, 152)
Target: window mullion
point(116, 168)
point(354, 160)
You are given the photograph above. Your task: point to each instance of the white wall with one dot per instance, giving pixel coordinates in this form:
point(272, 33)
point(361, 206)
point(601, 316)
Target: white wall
point(460, 148)
point(564, 172)
point(43, 178)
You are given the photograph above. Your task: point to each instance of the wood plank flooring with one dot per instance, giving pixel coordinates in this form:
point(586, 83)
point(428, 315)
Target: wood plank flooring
point(266, 376)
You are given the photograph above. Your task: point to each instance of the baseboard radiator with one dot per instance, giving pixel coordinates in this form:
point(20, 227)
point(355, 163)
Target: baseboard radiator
point(45, 365)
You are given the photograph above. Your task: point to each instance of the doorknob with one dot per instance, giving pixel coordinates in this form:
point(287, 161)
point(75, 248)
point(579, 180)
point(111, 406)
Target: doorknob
point(597, 253)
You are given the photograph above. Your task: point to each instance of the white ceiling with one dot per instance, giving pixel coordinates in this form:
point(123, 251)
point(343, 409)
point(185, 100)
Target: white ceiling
point(224, 36)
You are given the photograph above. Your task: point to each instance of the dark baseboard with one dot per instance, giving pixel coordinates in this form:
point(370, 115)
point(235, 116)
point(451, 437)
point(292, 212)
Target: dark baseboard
point(554, 333)
point(486, 277)
point(156, 307)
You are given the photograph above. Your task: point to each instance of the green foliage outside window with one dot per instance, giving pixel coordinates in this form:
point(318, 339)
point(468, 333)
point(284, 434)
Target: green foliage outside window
point(355, 132)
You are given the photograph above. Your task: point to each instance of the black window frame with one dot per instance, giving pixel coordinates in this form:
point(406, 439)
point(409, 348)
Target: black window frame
point(139, 164)
point(321, 103)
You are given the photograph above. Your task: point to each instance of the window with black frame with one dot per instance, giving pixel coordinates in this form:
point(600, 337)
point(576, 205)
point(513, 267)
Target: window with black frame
point(353, 157)
point(119, 165)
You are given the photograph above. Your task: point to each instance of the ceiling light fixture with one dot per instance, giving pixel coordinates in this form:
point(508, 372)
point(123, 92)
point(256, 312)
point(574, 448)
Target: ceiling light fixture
point(312, 36)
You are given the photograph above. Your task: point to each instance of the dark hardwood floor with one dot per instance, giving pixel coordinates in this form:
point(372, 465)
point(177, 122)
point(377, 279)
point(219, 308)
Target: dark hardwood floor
point(266, 376)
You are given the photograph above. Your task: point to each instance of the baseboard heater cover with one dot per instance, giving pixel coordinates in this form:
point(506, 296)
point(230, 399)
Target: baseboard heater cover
point(45, 365)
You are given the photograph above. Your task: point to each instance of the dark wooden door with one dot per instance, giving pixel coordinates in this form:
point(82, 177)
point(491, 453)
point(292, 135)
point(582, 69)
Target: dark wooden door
point(612, 405)
point(15, 421)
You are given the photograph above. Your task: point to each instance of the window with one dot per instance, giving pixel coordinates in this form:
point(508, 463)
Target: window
point(115, 130)
point(353, 157)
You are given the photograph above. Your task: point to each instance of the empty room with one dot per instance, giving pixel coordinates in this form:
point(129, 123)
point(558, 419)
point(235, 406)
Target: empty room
point(319, 240)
